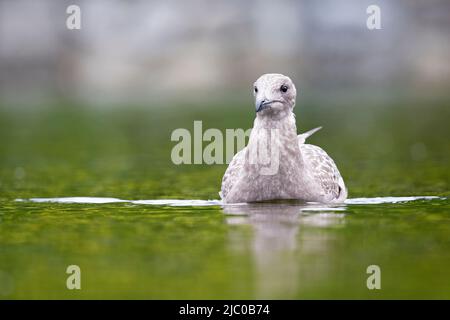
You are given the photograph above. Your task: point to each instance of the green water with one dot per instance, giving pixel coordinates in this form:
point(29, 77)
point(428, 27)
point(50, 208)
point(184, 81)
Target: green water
point(277, 250)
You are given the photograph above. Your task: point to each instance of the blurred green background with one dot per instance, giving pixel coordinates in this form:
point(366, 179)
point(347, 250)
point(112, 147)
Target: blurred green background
point(90, 113)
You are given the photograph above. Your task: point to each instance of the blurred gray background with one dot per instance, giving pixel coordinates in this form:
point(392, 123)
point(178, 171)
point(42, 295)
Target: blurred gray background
point(155, 52)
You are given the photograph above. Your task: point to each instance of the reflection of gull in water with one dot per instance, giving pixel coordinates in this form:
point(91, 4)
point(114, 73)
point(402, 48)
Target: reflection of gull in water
point(277, 244)
point(275, 225)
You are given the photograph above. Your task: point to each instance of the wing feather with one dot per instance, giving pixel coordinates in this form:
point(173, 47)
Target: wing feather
point(324, 172)
point(232, 173)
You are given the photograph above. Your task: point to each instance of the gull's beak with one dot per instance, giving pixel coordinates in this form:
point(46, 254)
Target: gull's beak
point(262, 104)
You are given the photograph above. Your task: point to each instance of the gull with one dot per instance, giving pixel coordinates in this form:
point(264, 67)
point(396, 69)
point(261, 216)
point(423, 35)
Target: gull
point(277, 164)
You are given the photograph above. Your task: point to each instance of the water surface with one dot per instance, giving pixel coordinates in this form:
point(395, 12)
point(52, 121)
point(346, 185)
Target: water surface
point(83, 177)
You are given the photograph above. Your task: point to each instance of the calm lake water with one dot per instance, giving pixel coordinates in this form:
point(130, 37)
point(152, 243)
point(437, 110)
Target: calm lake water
point(203, 249)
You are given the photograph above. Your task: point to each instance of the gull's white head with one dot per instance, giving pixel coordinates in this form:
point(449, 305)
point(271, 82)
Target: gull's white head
point(274, 94)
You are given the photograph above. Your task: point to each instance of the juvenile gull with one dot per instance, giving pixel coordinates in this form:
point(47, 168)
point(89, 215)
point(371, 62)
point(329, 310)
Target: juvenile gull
point(276, 163)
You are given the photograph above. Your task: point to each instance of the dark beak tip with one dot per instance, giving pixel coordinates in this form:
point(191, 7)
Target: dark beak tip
point(262, 105)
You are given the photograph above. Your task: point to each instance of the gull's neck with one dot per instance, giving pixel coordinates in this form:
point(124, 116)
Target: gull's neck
point(279, 130)
point(284, 121)
point(277, 172)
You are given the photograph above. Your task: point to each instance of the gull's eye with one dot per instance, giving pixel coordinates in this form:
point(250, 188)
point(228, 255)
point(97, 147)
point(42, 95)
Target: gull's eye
point(256, 90)
point(284, 88)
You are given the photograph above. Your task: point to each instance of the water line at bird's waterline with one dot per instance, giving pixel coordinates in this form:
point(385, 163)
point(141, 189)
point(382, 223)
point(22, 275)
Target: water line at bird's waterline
point(195, 202)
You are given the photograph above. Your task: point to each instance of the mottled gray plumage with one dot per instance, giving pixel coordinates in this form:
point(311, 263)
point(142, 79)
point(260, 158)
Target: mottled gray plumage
point(303, 171)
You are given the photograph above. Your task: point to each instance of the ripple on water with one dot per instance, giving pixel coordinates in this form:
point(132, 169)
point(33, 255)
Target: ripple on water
point(195, 203)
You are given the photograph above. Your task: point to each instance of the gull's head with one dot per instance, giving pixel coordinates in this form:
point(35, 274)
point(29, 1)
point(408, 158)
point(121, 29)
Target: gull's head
point(274, 93)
